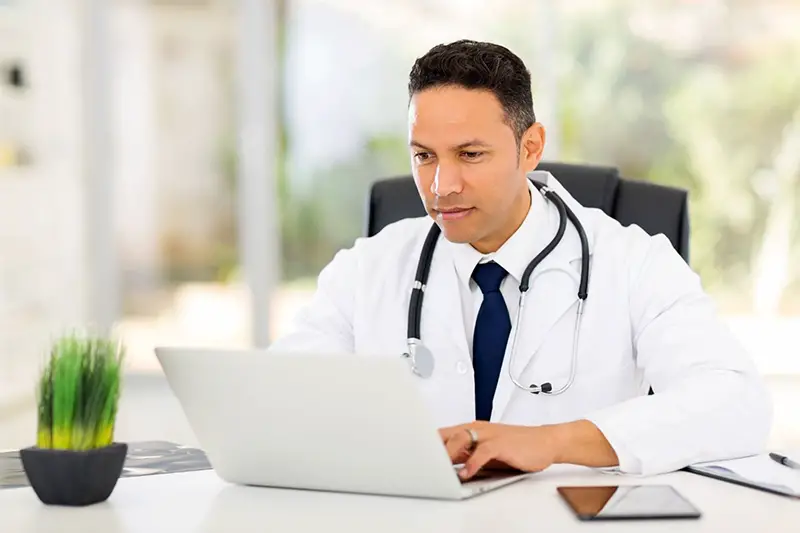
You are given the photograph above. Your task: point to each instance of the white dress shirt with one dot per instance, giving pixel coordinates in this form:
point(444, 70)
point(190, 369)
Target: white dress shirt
point(514, 256)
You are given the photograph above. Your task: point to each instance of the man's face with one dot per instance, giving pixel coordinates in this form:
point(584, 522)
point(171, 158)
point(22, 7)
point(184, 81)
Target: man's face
point(467, 165)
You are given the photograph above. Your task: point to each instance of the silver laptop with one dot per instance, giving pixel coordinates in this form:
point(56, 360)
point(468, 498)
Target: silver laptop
point(321, 422)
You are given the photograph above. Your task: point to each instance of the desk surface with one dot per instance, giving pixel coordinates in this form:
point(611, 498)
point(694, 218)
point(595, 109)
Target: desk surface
point(201, 502)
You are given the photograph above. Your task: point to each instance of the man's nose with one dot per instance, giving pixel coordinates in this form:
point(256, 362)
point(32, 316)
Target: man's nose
point(447, 180)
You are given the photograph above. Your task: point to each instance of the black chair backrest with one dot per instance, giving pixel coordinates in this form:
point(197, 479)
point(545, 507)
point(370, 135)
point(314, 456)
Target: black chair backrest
point(655, 208)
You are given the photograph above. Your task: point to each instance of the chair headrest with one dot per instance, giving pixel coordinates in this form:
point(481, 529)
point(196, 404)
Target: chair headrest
point(591, 185)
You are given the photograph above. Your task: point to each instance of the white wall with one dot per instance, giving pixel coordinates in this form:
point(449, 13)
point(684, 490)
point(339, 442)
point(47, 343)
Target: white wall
point(42, 261)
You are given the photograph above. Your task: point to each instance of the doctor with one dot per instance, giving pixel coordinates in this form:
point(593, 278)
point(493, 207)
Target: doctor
point(538, 394)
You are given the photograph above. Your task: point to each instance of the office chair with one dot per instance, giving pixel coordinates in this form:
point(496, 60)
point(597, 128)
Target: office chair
point(655, 208)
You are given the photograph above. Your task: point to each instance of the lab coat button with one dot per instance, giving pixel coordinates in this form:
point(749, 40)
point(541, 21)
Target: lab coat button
point(461, 367)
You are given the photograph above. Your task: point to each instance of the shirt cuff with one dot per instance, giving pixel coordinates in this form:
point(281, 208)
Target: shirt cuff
point(614, 433)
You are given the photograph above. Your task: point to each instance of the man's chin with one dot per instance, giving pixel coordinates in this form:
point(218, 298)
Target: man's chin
point(455, 234)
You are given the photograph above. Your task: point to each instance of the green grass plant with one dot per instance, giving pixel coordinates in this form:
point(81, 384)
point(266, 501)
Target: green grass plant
point(78, 393)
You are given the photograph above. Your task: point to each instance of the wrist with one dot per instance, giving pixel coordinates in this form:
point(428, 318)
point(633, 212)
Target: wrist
point(581, 443)
point(560, 441)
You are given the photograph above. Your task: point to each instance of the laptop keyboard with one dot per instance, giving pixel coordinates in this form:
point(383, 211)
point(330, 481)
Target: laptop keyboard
point(484, 476)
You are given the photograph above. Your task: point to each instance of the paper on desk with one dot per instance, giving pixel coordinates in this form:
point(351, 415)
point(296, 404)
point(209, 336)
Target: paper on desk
point(144, 459)
point(759, 469)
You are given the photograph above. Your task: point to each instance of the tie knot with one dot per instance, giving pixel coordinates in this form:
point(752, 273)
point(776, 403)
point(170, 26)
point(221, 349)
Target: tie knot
point(489, 276)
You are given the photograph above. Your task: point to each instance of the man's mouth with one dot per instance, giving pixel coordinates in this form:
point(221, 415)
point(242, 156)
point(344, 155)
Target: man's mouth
point(454, 213)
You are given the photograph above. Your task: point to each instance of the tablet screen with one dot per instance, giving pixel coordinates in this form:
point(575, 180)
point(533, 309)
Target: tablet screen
point(627, 501)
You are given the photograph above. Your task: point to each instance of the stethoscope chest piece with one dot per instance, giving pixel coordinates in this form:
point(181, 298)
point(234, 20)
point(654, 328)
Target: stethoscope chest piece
point(421, 359)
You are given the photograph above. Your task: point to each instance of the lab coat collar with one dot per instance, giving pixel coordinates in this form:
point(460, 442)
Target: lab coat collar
point(515, 254)
point(569, 249)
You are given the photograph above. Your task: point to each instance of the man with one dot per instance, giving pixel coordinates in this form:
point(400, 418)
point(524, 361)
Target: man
point(473, 140)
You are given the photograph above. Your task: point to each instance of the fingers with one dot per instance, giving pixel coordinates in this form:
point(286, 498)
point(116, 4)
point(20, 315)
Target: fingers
point(479, 458)
point(458, 446)
point(458, 441)
point(448, 432)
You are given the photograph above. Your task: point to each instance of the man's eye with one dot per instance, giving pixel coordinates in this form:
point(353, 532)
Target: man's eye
point(422, 156)
point(472, 155)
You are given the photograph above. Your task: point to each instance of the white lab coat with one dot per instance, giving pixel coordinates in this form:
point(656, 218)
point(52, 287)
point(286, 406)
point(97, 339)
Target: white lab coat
point(647, 322)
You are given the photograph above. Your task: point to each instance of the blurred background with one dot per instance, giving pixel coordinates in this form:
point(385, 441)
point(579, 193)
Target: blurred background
point(180, 170)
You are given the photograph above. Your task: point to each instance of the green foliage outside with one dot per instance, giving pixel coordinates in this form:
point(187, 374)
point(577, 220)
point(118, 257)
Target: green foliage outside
point(720, 120)
point(716, 120)
point(719, 117)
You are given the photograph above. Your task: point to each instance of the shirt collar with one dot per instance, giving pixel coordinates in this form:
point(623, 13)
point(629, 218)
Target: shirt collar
point(515, 254)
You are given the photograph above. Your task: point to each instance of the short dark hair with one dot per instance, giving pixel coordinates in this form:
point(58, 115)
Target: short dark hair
point(479, 65)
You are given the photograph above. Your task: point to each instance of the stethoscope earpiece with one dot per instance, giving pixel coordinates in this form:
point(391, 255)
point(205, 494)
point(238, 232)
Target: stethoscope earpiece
point(546, 388)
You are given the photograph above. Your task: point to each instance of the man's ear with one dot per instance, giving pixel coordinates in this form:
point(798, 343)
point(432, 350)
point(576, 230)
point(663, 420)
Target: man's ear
point(532, 146)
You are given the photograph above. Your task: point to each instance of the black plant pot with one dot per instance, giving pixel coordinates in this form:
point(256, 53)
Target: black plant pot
point(70, 477)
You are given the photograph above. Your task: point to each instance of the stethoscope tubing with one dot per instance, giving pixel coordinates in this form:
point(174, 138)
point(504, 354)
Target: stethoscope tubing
point(414, 341)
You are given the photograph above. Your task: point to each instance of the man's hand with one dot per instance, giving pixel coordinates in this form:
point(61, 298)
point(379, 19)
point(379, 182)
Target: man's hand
point(526, 448)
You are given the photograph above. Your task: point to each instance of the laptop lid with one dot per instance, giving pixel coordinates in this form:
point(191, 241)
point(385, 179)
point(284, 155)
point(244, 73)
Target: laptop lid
point(327, 422)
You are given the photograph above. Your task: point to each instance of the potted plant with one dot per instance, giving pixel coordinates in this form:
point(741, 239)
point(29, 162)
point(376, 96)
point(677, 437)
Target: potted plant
point(75, 460)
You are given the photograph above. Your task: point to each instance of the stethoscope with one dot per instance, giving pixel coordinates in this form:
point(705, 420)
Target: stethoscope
point(421, 358)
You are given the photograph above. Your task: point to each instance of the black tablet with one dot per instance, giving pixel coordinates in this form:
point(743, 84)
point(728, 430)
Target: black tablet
point(625, 502)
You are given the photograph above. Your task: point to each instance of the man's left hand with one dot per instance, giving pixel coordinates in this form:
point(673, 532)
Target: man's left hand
point(525, 448)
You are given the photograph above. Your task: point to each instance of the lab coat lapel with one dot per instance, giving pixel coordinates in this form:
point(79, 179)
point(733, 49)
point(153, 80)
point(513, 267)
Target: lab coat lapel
point(443, 328)
point(553, 293)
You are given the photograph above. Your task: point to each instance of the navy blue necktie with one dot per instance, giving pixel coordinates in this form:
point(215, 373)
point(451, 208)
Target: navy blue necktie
point(491, 336)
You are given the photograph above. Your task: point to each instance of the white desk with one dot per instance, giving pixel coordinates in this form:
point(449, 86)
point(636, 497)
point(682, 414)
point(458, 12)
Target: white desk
point(201, 502)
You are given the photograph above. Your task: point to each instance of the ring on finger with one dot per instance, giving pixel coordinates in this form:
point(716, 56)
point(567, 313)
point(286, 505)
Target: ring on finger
point(473, 437)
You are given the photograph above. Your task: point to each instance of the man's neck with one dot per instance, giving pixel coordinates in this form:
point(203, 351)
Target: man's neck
point(520, 213)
